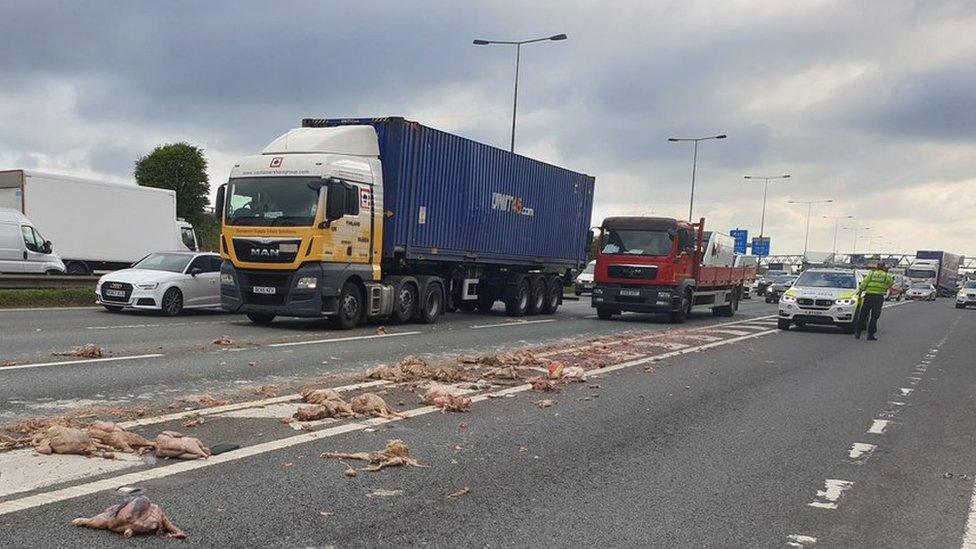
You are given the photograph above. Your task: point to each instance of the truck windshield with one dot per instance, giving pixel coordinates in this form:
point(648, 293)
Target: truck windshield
point(272, 201)
point(920, 273)
point(632, 242)
point(811, 279)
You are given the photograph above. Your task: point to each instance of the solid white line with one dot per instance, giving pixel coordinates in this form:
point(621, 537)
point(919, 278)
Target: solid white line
point(878, 426)
point(729, 332)
point(969, 537)
point(512, 323)
point(341, 339)
point(72, 492)
point(85, 361)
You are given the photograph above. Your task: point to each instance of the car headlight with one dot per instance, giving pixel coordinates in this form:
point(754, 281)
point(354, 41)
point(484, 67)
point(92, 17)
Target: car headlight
point(847, 301)
point(227, 278)
point(307, 283)
point(148, 285)
point(788, 298)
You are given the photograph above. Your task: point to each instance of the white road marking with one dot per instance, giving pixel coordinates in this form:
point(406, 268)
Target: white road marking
point(23, 470)
point(969, 537)
point(905, 392)
point(799, 541)
point(828, 497)
point(729, 332)
point(511, 323)
point(700, 337)
point(914, 380)
point(878, 426)
point(860, 451)
point(341, 339)
point(84, 361)
point(71, 492)
point(896, 403)
point(42, 309)
point(159, 325)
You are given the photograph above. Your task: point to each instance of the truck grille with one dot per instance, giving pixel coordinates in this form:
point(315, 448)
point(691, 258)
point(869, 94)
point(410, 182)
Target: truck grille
point(116, 286)
point(258, 250)
point(632, 271)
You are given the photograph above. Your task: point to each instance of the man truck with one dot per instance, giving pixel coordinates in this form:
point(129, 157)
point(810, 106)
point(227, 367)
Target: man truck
point(97, 225)
point(938, 268)
point(665, 265)
point(356, 219)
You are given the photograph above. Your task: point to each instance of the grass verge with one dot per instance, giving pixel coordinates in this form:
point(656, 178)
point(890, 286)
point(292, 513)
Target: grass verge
point(62, 297)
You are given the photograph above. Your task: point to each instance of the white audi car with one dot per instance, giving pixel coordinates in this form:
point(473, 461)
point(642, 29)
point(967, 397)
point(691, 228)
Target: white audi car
point(164, 281)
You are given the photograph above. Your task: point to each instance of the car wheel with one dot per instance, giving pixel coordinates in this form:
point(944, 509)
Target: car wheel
point(406, 301)
point(261, 319)
point(113, 308)
point(172, 302)
point(783, 324)
point(350, 307)
point(432, 304)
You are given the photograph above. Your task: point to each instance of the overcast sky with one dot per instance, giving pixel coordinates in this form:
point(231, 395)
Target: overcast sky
point(869, 103)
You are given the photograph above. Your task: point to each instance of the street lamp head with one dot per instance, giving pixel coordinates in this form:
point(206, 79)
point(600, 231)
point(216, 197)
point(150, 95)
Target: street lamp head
point(786, 176)
point(558, 37)
point(723, 136)
point(673, 139)
point(481, 42)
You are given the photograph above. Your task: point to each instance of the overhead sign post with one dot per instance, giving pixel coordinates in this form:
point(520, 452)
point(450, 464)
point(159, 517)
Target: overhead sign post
point(760, 245)
point(741, 237)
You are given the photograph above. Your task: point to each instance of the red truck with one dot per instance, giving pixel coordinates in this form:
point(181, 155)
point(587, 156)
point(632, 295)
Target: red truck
point(665, 265)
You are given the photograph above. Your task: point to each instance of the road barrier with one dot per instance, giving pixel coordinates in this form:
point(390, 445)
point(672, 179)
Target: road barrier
point(38, 282)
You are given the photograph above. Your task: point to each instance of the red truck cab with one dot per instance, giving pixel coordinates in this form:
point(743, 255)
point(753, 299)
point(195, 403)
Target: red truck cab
point(655, 265)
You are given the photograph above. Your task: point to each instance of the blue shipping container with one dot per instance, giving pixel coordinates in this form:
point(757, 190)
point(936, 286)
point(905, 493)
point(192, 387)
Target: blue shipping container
point(453, 199)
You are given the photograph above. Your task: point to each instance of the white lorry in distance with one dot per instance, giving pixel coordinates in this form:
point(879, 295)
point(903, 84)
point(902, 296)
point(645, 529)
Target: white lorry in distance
point(97, 225)
point(23, 249)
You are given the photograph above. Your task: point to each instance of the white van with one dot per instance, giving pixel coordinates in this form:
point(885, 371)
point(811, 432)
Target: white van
point(23, 249)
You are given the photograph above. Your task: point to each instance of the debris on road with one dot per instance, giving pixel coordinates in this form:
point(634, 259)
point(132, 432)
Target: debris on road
point(462, 425)
point(223, 340)
point(543, 385)
point(371, 404)
point(88, 350)
point(193, 421)
point(441, 397)
point(7, 363)
point(381, 493)
point(381, 330)
point(502, 372)
point(413, 368)
point(545, 403)
point(395, 454)
point(58, 439)
point(267, 390)
point(133, 516)
point(111, 434)
point(457, 494)
point(200, 401)
point(350, 470)
point(170, 444)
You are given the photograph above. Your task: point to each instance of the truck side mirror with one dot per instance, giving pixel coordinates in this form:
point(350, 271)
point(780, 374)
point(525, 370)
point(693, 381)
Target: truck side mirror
point(589, 240)
point(219, 204)
point(48, 247)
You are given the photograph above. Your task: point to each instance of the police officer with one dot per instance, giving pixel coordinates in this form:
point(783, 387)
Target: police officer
point(874, 287)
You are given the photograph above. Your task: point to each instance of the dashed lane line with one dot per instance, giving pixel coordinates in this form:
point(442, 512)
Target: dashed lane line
point(878, 426)
point(511, 323)
point(341, 339)
point(830, 495)
point(84, 361)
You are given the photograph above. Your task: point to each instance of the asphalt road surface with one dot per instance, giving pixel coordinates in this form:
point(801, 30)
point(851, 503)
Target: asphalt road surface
point(726, 433)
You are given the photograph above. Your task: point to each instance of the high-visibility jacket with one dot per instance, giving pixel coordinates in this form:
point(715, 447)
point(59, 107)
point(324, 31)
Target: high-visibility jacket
point(877, 282)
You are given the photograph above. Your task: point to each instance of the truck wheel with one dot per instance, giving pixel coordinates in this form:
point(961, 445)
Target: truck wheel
point(681, 315)
point(604, 314)
point(782, 324)
point(537, 299)
point(172, 302)
point(432, 304)
point(728, 310)
point(261, 319)
point(518, 305)
point(554, 290)
point(78, 268)
point(350, 307)
point(406, 300)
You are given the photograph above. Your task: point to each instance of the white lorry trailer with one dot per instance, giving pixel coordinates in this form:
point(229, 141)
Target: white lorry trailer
point(97, 225)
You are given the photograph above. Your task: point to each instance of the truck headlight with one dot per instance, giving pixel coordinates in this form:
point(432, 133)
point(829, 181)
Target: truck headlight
point(227, 279)
point(787, 298)
point(307, 283)
point(148, 286)
point(597, 291)
point(847, 301)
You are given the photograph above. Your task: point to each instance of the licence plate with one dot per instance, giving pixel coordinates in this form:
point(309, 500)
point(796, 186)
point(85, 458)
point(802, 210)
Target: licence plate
point(114, 293)
point(630, 292)
point(814, 313)
point(269, 290)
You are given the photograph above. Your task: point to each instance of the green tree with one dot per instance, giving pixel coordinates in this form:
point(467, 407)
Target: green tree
point(182, 168)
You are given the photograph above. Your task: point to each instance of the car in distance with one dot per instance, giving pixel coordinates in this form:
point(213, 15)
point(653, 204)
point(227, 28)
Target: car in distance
point(763, 281)
point(23, 249)
point(778, 286)
point(897, 290)
point(584, 282)
point(966, 295)
point(921, 291)
point(163, 281)
point(821, 296)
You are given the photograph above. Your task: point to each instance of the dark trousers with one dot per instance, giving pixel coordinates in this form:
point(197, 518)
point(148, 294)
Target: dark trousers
point(870, 307)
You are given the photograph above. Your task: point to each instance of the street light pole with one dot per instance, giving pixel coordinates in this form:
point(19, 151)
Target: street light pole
point(836, 219)
point(809, 203)
point(855, 229)
point(694, 165)
point(762, 220)
point(518, 61)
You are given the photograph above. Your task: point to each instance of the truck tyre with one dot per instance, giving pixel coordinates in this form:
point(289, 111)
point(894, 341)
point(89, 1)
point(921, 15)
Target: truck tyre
point(406, 301)
point(554, 290)
point(681, 315)
point(519, 305)
point(261, 319)
point(432, 304)
point(604, 314)
point(77, 268)
point(782, 324)
point(728, 310)
point(537, 297)
point(350, 308)
point(172, 302)
point(116, 308)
